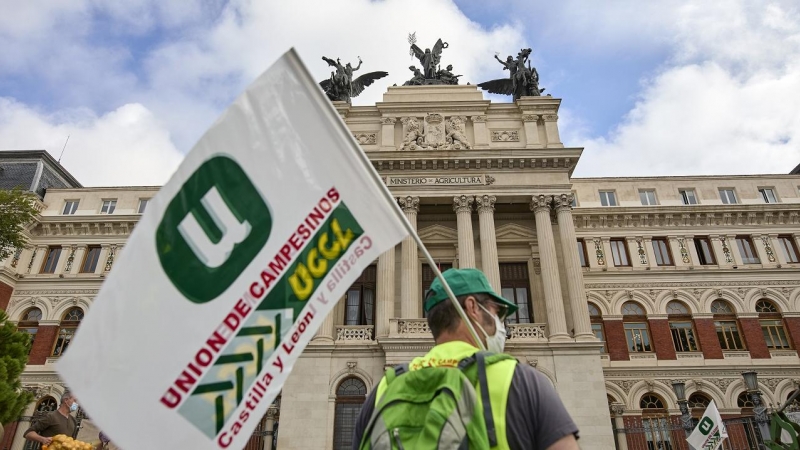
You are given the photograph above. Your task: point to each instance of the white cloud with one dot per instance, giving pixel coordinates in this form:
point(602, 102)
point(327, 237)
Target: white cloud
point(127, 146)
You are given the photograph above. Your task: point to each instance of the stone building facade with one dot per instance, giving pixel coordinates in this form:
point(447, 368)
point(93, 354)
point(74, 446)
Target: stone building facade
point(624, 284)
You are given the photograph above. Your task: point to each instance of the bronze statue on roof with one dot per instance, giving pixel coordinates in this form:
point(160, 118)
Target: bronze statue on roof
point(430, 72)
point(341, 86)
point(523, 80)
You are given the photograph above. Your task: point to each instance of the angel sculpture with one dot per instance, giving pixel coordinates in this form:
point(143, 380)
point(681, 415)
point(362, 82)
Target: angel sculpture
point(523, 81)
point(341, 86)
point(429, 59)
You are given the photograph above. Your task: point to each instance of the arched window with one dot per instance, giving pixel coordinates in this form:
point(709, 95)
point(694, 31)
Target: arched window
point(698, 402)
point(596, 318)
point(730, 338)
point(769, 316)
point(794, 406)
point(45, 405)
point(654, 421)
point(29, 322)
point(743, 401)
point(637, 333)
point(681, 327)
point(350, 395)
point(69, 324)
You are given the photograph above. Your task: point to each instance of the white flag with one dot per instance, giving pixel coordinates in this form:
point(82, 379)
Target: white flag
point(710, 431)
point(239, 258)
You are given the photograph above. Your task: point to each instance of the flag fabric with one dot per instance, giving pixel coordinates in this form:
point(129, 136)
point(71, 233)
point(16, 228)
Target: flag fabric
point(234, 266)
point(710, 431)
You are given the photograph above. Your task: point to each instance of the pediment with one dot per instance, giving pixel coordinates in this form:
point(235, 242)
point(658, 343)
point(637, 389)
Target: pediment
point(512, 232)
point(438, 234)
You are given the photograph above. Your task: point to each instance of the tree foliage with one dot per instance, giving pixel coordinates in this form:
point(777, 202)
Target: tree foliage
point(17, 209)
point(14, 348)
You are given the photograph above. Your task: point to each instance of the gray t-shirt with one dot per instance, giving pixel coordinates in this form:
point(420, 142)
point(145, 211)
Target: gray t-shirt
point(535, 416)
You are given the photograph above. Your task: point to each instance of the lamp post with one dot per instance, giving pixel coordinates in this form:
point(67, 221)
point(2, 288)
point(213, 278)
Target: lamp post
point(680, 392)
point(760, 411)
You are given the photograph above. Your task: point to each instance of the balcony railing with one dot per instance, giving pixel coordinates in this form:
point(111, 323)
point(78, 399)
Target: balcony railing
point(410, 328)
point(527, 332)
point(356, 334)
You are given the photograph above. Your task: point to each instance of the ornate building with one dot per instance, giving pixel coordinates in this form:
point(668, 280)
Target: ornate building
point(624, 284)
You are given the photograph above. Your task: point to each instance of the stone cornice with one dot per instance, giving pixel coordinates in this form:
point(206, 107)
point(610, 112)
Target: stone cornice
point(539, 159)
point(709, 284)
point(686, 216)
point(95, 225)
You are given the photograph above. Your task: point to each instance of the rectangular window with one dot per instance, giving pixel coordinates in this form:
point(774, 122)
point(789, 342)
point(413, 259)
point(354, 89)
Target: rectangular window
point(608, 198)
point(70, 206)
point(728, 196)
point(648, 197)
point(638, 337)
point(619, 250)
point(582, 253)
point(688, 197)
point(142, 205)
point(64, 338)
point(597, 329)
point(515, 286)
point(91, 258)
point(747, 250)
point(574, 200)
point(728, 335)
point(774, 334)
point(789, 249)
point(51, 260)
point(661, 249)
point(108, 206)
point(683, 336)
point(704, 251)
point(768, 194)
point(360, 299)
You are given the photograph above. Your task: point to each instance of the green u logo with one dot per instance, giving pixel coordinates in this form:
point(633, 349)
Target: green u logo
point(212, 229)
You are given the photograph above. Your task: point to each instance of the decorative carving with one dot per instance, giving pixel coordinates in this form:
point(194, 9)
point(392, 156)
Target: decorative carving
point(616, 409)
point(486, 203)
point(455, 134)
point(388, 120)
point(505, 136)
point(463, 204)
point(533, 362)
point(110, 260)
point(532, 331)
point(530, 117)
point(358, 333)
point(413, 327)
point(33, 257)
point(725, 250)
point(478, 119)
point(489, 179)
point(684, 252)
point(351, 366)
point(366, 138)
point(768, 248)
point(537, 266)
point(541, 202)
point(409, 204)
point(550, 117)
point(438, 134)
point(434, 130)
point(70, 260)
point(414, 137)
point(598, 251)
point(15, 259)
point(625, 385)
point(641, 252)
point(564, 201)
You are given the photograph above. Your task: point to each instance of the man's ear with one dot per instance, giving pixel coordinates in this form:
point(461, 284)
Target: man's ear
point(471, 307)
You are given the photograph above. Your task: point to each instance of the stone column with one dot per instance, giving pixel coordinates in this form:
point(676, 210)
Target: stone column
point(80, 256)
point(37, 259)
point(67, 251)
point(409, 276)
point(272, 414)
point(466, 243)
point(556, 321)
point(765, 250)
point(575, 288)
point(489, 261)
point(387, 133)
point(479, 129)
point(531, 121)
point(385, 295)
point(551, 128)
point(324, 334)
point(734, 248)
point(722, 250)
point(680, 251)
point(637, 253)
point(617, 410)
point(690, 245)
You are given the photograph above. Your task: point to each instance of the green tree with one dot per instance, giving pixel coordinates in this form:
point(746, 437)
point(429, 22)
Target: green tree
point(17, 209)
point(14, 348)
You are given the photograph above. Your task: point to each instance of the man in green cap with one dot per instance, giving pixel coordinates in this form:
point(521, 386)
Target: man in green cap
point(526, 412)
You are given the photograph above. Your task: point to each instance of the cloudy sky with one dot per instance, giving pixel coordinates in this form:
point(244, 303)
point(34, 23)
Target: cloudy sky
point(648, 88)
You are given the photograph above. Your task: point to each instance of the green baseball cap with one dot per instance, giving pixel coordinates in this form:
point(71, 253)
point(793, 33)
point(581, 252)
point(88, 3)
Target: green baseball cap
point(463, 282)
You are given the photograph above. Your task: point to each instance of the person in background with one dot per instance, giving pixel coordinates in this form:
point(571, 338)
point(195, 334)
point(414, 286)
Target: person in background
point(55, 422)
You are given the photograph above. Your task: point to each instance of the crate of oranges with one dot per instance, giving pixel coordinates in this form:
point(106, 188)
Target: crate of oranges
point(64, 442)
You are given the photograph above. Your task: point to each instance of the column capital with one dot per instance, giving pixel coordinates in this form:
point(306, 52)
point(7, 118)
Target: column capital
point(550, 117)
point(530, 117)
point(478, 119)
point(463, 203)
point(388, 120)
point(563, 202)
point(541, 202)
point(409, 204)
point(485, 203)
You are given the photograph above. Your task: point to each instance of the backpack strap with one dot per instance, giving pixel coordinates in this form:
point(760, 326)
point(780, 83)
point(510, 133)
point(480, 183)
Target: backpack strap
point(480, 359)
point(395, 372)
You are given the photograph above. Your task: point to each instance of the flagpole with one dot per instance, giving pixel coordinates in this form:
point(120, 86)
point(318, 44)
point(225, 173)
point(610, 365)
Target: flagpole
point(367, 165)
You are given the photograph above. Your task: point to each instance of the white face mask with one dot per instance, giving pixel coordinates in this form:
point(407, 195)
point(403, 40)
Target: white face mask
point(497, 342)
